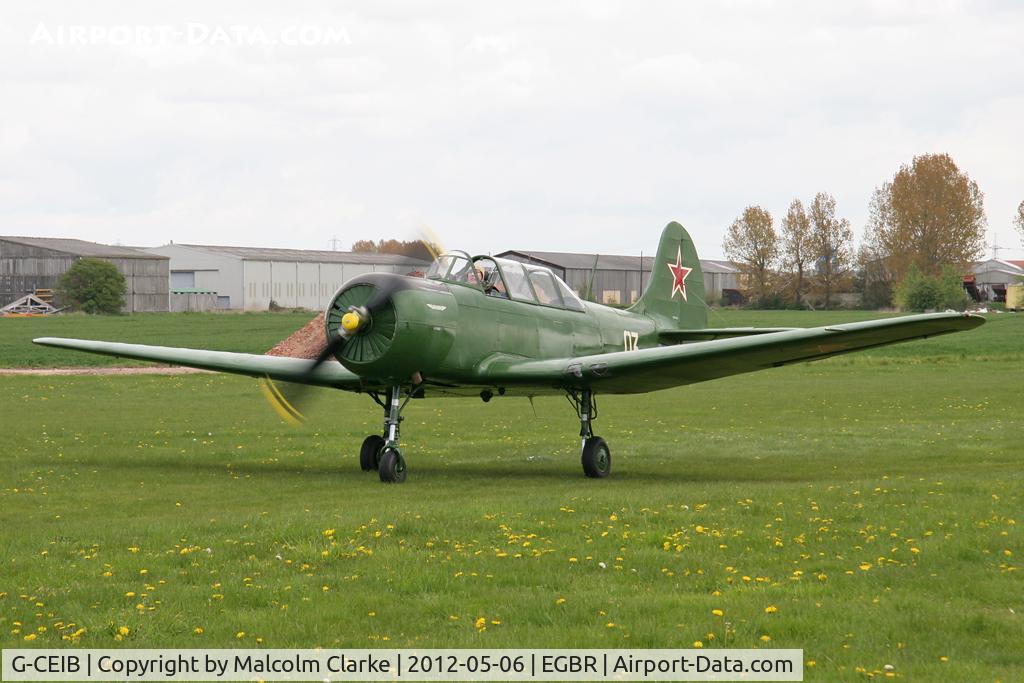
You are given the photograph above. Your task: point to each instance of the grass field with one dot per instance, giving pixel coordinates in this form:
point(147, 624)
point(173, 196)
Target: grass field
point(865, 509)
point(243, 332)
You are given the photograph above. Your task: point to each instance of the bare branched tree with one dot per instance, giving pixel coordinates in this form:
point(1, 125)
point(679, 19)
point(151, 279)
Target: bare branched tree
point(832, 241)
point(796, 246)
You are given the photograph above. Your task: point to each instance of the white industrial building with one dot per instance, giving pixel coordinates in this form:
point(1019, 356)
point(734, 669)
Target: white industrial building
point(249, 278)
point(611, 279)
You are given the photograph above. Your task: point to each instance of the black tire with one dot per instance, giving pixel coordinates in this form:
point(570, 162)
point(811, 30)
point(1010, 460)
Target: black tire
point(392, 466)
point(596, 458)
point(369, 453)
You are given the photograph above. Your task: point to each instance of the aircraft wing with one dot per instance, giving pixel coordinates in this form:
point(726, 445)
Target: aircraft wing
point(669, 366)
point(296, 370)
point(709, 333)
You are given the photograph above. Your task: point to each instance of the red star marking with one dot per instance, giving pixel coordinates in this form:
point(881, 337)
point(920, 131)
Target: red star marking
point(679, 274)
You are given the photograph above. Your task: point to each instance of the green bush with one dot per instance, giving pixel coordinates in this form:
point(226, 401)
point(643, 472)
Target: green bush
point(919, 292)
point(93, 286)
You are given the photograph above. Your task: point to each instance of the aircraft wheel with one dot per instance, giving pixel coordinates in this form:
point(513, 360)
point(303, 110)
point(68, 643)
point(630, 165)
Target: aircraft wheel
point(392, 466)
point(596, 459)
point(369, 453)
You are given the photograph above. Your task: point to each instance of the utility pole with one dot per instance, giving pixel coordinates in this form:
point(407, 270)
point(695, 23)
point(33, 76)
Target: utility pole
point(334, 242)
point(995, 245)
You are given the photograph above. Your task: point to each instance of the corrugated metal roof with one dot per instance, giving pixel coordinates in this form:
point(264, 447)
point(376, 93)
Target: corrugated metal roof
point(1006, 265)
point(574, 261)
point(80, 247)
point(305, 255)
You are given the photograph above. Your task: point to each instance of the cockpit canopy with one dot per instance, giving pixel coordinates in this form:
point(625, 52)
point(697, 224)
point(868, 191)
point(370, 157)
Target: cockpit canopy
point(506, 279)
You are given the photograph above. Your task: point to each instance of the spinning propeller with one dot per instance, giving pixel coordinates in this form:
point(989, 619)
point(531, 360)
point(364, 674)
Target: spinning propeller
point(360, 322)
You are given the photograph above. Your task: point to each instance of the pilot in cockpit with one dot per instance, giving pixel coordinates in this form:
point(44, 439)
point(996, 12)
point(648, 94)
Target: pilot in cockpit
point(490, 278)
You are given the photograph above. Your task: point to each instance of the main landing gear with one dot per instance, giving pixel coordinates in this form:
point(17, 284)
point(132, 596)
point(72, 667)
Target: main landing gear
point(595, 456)
point(381, 453)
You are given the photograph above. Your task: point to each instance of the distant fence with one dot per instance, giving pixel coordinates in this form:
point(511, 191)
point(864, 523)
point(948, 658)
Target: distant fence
point(192, 302)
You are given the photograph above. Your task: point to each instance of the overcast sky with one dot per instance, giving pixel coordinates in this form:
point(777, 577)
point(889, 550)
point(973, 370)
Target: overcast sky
point(577, 126)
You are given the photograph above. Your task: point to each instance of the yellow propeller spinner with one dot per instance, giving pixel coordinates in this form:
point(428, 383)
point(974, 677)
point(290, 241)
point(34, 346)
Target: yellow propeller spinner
point(351, 322)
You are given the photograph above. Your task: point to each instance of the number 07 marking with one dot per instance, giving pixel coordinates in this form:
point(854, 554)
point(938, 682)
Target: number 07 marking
point(630, 340)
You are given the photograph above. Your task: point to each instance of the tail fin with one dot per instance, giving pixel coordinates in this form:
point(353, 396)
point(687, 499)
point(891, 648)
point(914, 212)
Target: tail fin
point(675, 291)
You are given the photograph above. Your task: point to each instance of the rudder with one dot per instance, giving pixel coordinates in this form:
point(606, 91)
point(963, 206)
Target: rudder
point(675, 291)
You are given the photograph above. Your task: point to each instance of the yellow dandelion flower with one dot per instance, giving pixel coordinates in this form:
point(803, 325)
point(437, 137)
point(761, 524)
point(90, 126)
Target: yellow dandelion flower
point(811, 663)
point(864, 566)
point(328, 532)
point(240, 635)
point(697, 644)
point(371, 614)
point(943, 658)
point(560, 601)
point(198, 630)
point(718, 612)
point(124, 630)
point(30, 636)
point(771, 609)
point(765, 638)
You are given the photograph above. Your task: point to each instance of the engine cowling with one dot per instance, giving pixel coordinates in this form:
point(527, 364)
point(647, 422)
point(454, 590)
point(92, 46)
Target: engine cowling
point(410, 330)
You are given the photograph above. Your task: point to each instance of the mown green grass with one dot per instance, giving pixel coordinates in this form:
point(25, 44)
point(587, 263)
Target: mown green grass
point(816, 482)
point(257, 332)
point(242, 332)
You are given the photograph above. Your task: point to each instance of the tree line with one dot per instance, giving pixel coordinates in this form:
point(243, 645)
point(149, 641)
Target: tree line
point(418, 249)
point(926, 225)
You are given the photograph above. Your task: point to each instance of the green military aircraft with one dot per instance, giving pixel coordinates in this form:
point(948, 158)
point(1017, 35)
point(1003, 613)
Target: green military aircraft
point(487, 327)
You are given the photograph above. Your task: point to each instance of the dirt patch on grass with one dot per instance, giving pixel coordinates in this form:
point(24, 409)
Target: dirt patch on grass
point(158, 370)
point(308, 342)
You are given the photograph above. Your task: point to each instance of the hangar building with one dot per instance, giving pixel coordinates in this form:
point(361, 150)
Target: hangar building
point(31, 263)
point(992, 277)
point(249, 278)
point(621, 279)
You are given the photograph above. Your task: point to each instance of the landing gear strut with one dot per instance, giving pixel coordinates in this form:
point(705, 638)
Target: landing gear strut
point(595, 454)
point(381, 453)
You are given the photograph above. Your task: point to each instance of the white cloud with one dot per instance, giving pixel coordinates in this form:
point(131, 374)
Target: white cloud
point(566, 125)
